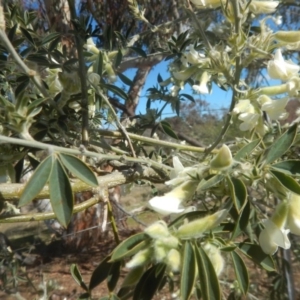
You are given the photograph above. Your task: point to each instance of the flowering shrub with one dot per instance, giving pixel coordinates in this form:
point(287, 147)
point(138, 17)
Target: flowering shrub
point(54, 101)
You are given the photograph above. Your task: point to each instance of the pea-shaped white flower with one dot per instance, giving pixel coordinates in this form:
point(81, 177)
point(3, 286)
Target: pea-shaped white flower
point(202, 88)
point(172, 202)
point(278, 68)
point(274, 108)
point(274, 234)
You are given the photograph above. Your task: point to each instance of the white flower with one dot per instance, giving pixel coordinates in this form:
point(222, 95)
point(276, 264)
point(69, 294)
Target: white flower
point(247, 114)
point(274, 108)
point(202, 87)
point(263, 7)
point(250, 120)
point(171, 203)
point(243, 106)
point(293, 86)
point(278, 68)
point(179, 173)
point(274, 235)
point(293, 219)
point(192, 56)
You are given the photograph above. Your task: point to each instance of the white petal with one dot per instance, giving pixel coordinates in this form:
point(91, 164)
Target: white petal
point(166, 205)
point(265, 242)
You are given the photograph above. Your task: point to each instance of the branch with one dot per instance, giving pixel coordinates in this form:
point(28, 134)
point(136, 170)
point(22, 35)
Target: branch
point(50, 147)
point(12, 191)
point(139, 62)
point(82, 76)
point(151, 141)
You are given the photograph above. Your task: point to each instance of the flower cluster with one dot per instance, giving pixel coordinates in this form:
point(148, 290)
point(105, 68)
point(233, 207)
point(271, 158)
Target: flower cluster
point(164, 248)
point(285, 219)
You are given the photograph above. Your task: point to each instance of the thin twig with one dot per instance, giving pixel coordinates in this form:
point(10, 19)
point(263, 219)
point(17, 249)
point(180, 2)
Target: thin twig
point(82, 75)
point(154, 142)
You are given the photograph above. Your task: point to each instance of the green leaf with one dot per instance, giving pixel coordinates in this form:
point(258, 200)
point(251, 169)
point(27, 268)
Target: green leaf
point(118, 58)
point(238, 193)
point(168, 130)
point(49, 38)
point(98, 66)
point(281, 145)
point(246, 150)
point(79, 169)
point(255, 253)
point(241, 272)
point(212, 181)
point(22, 86)
point(113, 276)
point(116, 90)
point(189, 97)
point(209, 283)
point(77, 276)
point(27, 35)
point(100, 273)
point(149, 283)
point(188, 271)
point(37, 181)
point(290, 167)
point(242, 220)
point(125, 79)
point(133, 276)
point(287, 181)
point(61, 194)
point(130, 246)
point(139, 51)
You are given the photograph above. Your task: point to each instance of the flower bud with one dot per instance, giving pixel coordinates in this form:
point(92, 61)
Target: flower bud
point(195, 229)
point(185, 74)
point(214, 254)
point(293, 219)
point(287, 36)
point(94, 78)
point(173, 260)
point(140, 259)
point(263, 7)
point(207, 3)
point(223, 159)
point(157, 230)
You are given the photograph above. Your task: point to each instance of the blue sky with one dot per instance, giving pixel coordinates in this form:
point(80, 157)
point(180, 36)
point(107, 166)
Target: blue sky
point(217, 99)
